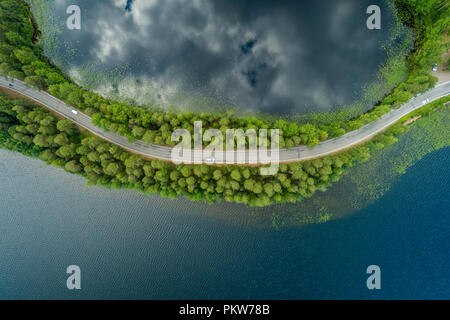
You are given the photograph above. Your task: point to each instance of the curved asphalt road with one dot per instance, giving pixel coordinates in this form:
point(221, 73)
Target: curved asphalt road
point(285, 155)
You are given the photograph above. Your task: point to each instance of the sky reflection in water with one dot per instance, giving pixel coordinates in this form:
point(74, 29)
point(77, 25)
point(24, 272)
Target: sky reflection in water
point(272, 56)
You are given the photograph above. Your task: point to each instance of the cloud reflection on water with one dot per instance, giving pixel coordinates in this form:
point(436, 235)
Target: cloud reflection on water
point(272, 56)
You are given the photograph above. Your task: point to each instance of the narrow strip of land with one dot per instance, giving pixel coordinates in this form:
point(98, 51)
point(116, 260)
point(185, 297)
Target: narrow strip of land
point(285, 155)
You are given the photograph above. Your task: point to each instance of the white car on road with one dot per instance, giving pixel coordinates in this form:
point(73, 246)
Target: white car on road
point(74, 111)
point(425, 101)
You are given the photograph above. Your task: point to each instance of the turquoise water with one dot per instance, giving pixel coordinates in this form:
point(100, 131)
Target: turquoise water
point(134, 246)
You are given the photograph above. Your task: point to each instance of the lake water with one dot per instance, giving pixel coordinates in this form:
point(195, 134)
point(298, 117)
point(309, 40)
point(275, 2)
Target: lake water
point(134, 246)
point(279, 57)
point(295, 56)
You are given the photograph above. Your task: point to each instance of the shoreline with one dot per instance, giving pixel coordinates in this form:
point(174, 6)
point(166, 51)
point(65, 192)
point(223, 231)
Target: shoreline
point(165, 153)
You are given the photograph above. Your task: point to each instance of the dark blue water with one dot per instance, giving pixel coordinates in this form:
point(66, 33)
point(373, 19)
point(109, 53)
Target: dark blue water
point(134, 246)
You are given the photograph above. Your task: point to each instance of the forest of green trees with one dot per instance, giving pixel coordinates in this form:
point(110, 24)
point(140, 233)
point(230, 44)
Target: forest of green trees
point(20, 58)
point(36, 132)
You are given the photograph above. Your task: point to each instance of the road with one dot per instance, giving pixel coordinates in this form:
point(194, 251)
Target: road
point(285, 155)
